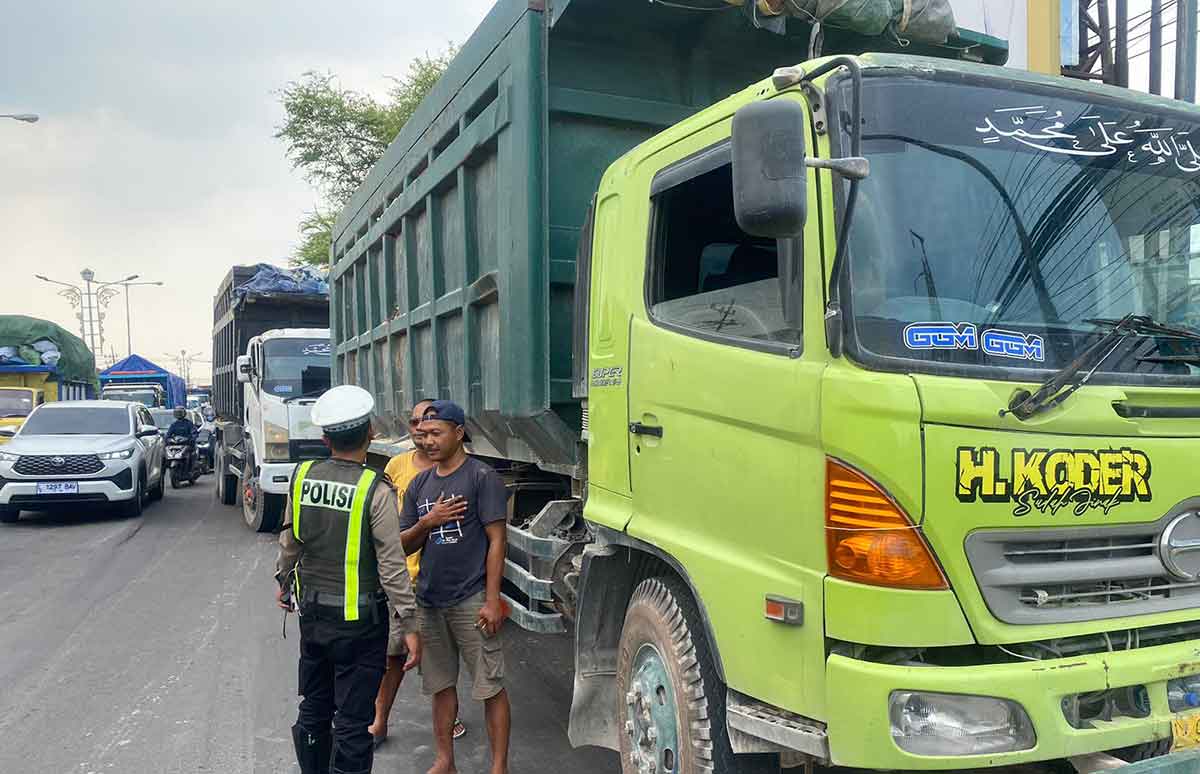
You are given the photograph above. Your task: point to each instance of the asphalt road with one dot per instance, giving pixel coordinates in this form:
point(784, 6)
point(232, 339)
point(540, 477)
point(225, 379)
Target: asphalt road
point(152, 646)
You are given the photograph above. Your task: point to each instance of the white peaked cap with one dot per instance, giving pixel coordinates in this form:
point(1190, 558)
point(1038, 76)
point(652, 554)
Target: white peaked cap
point(343, 408)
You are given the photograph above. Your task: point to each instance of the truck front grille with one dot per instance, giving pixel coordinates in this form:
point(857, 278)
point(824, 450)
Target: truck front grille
point(58, 465)
point(1076, 574)
point(308, 450)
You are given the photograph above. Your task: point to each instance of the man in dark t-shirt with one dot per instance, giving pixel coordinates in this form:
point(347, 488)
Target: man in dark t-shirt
point(455, 513)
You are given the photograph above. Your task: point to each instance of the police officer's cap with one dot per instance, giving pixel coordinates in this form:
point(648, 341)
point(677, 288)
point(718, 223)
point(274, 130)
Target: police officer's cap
point(343, 408)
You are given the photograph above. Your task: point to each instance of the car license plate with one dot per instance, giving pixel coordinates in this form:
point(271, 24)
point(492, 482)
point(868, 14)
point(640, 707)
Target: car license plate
point(1185, 732)
point(58, 487)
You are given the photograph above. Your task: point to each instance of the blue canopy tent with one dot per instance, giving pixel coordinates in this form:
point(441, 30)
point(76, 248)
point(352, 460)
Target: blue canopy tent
point(137, 369)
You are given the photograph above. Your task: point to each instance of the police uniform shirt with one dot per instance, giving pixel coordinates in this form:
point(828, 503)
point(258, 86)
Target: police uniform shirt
point(385, 536)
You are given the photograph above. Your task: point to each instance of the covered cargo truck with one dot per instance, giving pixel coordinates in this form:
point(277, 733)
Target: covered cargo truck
point(271, 360)
point(850, 419)
point(139, 380)
point(39, 362)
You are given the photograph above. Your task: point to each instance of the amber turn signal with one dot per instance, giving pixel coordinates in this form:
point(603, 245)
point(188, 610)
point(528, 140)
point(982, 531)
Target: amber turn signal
point(870, 539)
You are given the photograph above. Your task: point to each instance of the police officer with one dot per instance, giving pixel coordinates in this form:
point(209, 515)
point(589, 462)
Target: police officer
point(340, 562)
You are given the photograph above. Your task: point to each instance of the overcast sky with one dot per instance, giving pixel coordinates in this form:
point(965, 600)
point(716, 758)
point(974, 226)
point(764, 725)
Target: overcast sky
point(154, 154)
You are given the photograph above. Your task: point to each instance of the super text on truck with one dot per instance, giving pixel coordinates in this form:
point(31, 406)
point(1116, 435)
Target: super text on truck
point(271, 360)
point(852, 419)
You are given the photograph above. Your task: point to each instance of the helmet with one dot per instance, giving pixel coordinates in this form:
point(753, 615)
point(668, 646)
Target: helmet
point(343, 408)
point(180, 412)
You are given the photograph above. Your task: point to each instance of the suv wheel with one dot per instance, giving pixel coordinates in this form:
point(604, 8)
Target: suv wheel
point(9, 515)
point(156, 493)
point(133, 507)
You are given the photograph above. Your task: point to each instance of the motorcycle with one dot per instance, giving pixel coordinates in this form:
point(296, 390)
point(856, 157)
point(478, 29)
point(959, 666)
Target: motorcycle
point(204, 445)
point(183, 460)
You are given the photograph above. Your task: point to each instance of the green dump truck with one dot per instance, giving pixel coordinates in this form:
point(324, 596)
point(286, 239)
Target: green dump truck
point(853, 418)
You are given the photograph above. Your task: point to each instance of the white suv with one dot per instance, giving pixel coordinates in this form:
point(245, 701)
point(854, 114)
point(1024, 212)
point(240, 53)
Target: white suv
point(90, 451)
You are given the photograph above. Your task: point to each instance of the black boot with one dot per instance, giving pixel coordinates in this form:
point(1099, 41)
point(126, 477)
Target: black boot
point(313, 751)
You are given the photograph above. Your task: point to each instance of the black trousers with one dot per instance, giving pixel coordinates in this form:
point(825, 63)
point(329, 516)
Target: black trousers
point(341, 665)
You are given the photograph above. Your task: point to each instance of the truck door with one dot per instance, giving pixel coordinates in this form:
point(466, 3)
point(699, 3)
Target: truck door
point(726, 467)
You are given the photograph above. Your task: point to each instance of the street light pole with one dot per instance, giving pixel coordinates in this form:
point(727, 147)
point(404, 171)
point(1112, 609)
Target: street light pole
point(128, 324)
point(28, 118)
point(91, 326)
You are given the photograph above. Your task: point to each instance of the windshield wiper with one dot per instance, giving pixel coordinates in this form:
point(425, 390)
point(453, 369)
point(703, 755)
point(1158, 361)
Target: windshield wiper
point(1075, 374)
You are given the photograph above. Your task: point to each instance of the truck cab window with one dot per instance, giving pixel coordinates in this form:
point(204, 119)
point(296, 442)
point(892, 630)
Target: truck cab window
point(709, 276)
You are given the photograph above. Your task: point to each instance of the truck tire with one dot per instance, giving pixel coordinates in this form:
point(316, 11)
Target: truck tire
point(671, 712)
point(227, 483)
point(260, 509)
point(9, 515)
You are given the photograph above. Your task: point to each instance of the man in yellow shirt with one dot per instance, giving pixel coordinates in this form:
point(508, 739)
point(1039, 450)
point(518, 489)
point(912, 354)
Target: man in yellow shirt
point(402, 469)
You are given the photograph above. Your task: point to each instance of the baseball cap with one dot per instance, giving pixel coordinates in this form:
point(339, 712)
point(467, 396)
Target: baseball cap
point(448, 411)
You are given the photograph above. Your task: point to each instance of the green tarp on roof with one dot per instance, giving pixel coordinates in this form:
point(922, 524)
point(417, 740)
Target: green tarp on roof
point(76, 364)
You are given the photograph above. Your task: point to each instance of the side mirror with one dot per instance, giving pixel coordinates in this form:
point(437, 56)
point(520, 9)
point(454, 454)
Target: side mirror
point(770, 182)
point(7, 432)
point(243, 368)
point(147, 431)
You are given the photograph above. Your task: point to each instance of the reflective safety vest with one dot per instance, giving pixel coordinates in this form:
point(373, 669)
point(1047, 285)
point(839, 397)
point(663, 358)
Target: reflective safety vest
point(330, 501)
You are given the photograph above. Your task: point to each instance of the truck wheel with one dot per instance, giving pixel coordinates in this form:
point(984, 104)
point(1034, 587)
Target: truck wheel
point(227, 484)
point(9, 515)
point(260, 509)
point(672, 703)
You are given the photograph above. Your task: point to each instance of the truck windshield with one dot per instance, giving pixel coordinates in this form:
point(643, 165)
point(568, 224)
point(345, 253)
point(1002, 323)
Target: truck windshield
point(15, 403)
point(296, 366)
point(989, 237)
point(147, 398)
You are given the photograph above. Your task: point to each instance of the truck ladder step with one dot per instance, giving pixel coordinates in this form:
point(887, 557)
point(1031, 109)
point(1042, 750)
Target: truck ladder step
point(539, 623)
point(532, 586)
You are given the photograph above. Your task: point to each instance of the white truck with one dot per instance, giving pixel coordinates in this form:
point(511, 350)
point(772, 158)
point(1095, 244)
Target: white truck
point(271, 360)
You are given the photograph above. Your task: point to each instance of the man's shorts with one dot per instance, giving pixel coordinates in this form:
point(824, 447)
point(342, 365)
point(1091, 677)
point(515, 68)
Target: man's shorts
point(447, 634)
point(396, 646)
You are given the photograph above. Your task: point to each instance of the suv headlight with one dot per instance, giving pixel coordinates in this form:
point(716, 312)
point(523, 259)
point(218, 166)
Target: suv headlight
point(122, 454)
point(955, 724)
point(9, 456)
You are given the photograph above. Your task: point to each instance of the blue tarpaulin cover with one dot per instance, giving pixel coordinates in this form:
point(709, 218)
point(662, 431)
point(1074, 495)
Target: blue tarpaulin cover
point(136, 368)
point(272, 279)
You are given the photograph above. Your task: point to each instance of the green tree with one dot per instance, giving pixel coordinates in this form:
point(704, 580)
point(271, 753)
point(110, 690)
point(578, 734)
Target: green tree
point(334, 136)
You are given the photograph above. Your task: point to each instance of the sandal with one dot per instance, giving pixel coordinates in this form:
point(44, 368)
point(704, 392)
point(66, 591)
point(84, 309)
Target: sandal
point(459, 730)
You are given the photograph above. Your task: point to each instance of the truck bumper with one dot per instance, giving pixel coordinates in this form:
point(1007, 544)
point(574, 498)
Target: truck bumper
point(275, 477)
point(859, 730)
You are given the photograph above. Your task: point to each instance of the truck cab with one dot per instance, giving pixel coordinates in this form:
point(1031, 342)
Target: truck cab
point(16, 403)
point(924, 433)
point(148, 395)
point(283, 373)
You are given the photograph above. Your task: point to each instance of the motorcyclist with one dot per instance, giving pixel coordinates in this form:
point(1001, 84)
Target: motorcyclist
point(182, 425)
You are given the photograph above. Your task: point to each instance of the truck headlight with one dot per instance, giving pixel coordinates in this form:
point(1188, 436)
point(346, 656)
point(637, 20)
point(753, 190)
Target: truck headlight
point(9, 456)
point(276, 442)
point(122, 454)
point(955, 724)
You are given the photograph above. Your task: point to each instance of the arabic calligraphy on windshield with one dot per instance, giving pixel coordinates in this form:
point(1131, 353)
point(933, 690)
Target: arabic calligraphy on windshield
point(1090, 136)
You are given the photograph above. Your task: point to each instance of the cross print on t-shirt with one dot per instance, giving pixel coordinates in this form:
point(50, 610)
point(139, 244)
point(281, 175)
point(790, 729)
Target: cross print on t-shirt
point(447, 534)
